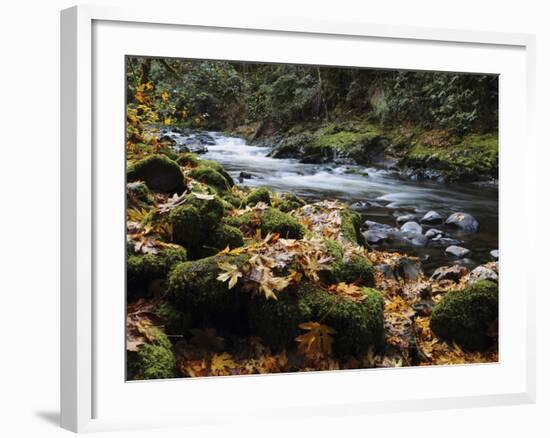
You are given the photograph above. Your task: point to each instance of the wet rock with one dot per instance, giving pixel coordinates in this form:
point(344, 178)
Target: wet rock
point(411, 227)
point(386, 270)
point(377, 226)
point(205, 139)
point(194, 145)
point(482, 273)
point(432, 217)
point(494, 254)
point(434, 233)
point(418, 239)
point(376, 236)
point(405, 218)
point(409, 269)
point(245, 175)
point(463, 221)
point(457, 251)
point(443, 241)
point(454, 273)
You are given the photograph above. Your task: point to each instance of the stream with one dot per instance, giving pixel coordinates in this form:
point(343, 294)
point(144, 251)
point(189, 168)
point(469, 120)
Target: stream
point(380, 196)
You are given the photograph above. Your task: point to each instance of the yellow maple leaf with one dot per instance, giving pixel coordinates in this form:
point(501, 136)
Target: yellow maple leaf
point(317, 341)
point(221, 362)
point(231, 273)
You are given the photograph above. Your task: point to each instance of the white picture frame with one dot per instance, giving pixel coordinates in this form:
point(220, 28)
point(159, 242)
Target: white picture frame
point(90, 392)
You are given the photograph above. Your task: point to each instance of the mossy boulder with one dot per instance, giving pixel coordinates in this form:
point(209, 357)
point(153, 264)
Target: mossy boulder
point(221, 237)
point(193, 287)
point(187, 227)
point(232, 199)
point(360, 325)
point(352, 269)
point(289, 202)
point(220, 169)
point(188, 159)
point(152, 361)
point(211, 210)
point(465, 316)
point(275, 221)
point(351, 227)
point(211, 177)
point(159, 172)
point(138, 195)
point(258, 195)
point(142, 269)
point(174, 321)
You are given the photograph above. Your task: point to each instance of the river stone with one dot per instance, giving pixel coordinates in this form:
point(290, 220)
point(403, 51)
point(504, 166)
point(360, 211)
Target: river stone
point(376, 236)
point(433, 233)
point(194, 145)
point(377, 226)
point(411, 227)
point(409, 269)
point(494, 254)
point(432, 217)
point(482, 273)
point(463, 221)
point(418, 239)
point(454, 273)
point(386, 270)
point(405, 218)
point(443, 241)
point(457, 251)
point(245, 175)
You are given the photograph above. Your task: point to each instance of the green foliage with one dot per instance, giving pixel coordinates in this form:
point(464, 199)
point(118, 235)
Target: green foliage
point(152, 361)
point(159, 173)
point(465, 316)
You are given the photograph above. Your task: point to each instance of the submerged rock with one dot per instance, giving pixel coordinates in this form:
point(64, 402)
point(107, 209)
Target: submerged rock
point(457, 251)
point(432, 217)
point(463, 221)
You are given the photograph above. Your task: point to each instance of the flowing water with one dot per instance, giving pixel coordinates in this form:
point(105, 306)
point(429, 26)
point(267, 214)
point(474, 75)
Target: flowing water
point(387, 194)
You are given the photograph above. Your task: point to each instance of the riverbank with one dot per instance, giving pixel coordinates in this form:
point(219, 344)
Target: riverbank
point(419, 153)
point(228, 279)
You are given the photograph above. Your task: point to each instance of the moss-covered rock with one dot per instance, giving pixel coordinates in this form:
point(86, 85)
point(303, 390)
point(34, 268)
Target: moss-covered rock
point(353, 269)
point(360, 325)
point(152, 361)
point(175, 322)
point(138, 195)
point(187, 227)
point(275, 221)
point(193, 287)
point(220, 169)
point(289, 202)
point(159, 172)
point(465, 316)
point(142, 269)
point(258, 195)
point(210, 210)
point(210, 177)
point(188, 159)
point(221, 237)
point(232, 199)
point(351, 227)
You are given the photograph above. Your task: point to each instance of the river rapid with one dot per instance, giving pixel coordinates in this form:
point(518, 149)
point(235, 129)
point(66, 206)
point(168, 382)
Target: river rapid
point(380, 195)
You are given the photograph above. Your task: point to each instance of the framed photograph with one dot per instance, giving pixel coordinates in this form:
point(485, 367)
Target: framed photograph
point(308, 218)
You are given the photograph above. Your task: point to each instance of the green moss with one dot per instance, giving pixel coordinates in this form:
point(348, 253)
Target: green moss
point(188, 159)
point(142, 269)
point(221, 237)
point(289, 202)
point(187, 227)
point(464, 316)
point(232, 199)
point(258, 195)
point(138, 195)
point(210, 177)
point(152, 361)
point(473, 157)
point(159, 173)
point(359, 324)
point(275, 221)
point(218, 168)
point(193, 287)
point(174, 321)
point(351, 227)
point(210, 210)
point(140, 150)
